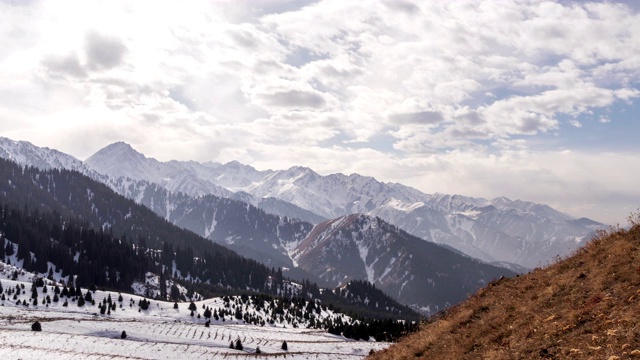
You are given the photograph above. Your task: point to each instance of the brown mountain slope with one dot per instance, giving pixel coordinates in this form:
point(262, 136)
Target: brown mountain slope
point(583, 307)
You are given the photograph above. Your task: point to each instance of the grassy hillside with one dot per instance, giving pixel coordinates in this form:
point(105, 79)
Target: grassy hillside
point(586, 307)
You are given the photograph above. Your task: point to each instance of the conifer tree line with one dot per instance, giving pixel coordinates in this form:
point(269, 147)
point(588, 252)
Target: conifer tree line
point(98, 258)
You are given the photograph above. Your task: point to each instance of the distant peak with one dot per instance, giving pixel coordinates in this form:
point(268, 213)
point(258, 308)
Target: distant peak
point(300, 169)
point(118, 145)
point(501, 199)
point(117, 152)
point(234, 163)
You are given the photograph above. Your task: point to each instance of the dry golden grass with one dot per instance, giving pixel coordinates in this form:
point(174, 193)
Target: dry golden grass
point(584, 307)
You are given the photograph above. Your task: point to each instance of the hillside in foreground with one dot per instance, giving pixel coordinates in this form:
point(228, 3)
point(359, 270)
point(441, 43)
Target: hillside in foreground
point(585, 307)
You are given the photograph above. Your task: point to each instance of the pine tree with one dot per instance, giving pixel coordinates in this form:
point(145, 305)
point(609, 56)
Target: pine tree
point(239, 344)
point(8, 250)
point(36, 326)
point(285, 347)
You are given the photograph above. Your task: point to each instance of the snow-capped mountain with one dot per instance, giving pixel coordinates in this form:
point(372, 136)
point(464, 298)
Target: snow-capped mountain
point(416, 272)
point(498, 230)
point(120, 160)
point(27, 154)
point(130, 173)
point(270, 239)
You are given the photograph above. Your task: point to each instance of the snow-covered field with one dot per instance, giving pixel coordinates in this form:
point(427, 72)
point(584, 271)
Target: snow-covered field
point(160, 332)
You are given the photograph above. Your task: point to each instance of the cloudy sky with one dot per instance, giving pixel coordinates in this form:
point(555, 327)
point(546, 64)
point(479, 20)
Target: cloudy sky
point(533, 100)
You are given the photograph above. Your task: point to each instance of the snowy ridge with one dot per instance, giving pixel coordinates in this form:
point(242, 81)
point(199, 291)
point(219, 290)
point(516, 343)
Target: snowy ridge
point(27, 154)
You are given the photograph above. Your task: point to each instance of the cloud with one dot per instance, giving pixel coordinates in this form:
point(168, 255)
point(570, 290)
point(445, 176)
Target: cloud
point(65, 65)
point(403, 6)
point(294, 99)
point(467, 89)
point(422, 117)
point(575, 123)
point(103, 52)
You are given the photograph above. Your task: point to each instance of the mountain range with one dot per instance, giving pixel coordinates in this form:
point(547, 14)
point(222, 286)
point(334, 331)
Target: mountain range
point(495, 231)
point(280, 218)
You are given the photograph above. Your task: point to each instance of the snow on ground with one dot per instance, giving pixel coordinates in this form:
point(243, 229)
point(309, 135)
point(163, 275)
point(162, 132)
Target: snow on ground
point(161, 332)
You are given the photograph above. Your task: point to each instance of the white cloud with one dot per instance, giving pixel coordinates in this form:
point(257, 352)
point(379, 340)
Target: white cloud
point(575, 123)
point(453, 87)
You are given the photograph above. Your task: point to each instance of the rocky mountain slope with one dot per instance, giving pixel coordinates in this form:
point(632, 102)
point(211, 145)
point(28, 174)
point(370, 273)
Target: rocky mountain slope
point(584, 307)
point(416, 272)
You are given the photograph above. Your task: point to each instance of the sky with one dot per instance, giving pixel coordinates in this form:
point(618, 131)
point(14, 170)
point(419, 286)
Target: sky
point(532, 100)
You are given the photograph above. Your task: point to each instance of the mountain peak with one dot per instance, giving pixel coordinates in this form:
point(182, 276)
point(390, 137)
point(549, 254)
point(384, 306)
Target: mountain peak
point(118, 147)
point(120, 159)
